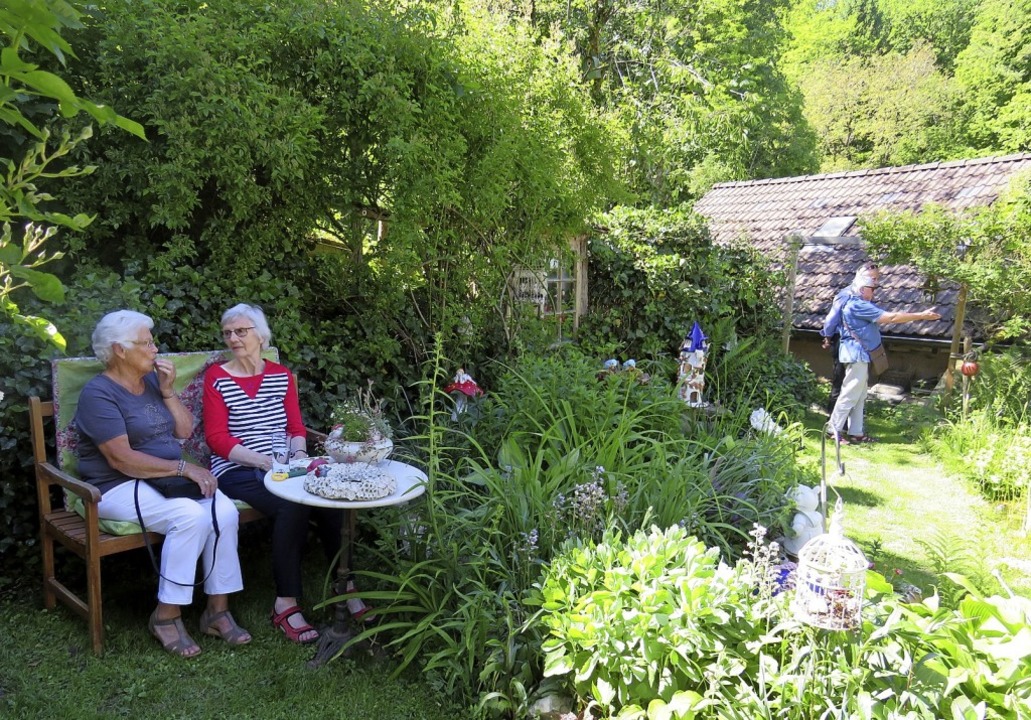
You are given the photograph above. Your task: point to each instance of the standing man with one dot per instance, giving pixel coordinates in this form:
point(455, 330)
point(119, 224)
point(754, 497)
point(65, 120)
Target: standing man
point(860, 322)
point(832, 335)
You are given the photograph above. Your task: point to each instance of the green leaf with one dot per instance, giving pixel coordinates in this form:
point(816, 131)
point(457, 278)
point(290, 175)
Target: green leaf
point(10, 254)
point(44, 285)
point(44, 329)
point(557, 663)
point(54, 87)
point(10, 63)
point(131, 126)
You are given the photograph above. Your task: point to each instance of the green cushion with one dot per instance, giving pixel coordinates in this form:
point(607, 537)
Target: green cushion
point(73, 503)
point(70, 375)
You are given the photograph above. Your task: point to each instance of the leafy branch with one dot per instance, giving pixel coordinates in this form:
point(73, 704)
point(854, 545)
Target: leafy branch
point(20, 196)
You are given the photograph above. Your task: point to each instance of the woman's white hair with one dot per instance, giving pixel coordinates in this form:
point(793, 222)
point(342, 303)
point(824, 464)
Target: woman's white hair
point(255, 316)
point(120, 326)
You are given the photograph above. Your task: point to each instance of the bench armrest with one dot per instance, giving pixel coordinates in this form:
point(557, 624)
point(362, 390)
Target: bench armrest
point(47, 475)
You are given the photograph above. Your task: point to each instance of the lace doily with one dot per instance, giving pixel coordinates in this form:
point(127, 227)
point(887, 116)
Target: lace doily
point(347, 481)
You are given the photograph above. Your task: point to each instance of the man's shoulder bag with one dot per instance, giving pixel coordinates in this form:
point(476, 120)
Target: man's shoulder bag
point(879, 359)
point(878, 356)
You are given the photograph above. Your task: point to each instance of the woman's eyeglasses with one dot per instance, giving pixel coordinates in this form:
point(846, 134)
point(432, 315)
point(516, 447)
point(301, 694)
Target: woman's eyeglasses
point(239, 332)
point(144, 343)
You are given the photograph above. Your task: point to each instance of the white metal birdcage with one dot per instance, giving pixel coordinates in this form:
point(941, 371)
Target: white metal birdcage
point(831, 579)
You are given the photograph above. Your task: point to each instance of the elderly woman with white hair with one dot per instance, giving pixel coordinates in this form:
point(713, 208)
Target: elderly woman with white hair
point(248, 400)
point(859, 320)
point(129, 419)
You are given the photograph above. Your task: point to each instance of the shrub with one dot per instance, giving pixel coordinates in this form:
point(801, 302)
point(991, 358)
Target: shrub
point(1003, 386)
point(655, 627)
point(993, 455)
point(554, 457)
point(641, 620)
point(655, 272)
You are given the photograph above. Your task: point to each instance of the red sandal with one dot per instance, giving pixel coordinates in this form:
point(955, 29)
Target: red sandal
point(282, 621)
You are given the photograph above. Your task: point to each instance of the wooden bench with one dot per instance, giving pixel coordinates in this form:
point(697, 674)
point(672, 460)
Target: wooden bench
point(77, 525)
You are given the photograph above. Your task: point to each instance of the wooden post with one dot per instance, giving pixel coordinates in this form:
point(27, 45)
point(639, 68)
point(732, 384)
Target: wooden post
point(966, 380)
point(794, 249)
point(957, 330)
point(580, 282)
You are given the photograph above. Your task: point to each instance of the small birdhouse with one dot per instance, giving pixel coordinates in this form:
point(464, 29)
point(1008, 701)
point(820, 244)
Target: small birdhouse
point(831, 580)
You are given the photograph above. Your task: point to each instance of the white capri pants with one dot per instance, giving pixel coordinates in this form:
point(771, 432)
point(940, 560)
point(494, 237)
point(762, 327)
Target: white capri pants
point(852, 400)
point(189, 535)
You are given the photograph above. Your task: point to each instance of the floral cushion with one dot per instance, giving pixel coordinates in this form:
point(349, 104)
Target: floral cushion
point(70, 375)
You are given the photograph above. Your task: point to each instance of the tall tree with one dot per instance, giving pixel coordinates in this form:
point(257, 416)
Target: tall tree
point(696, 85)
point(994, 72)
point(891, 109)
point(945, 25)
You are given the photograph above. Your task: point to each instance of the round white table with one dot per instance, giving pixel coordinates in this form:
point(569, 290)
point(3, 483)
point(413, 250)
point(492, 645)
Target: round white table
point(411, 483)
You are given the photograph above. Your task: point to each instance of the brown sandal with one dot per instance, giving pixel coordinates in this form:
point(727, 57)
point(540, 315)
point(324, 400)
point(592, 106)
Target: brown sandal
point(182, 643)
point(235, 635)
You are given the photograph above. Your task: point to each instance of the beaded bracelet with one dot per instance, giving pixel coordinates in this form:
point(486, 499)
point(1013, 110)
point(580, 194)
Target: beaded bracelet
point(182, 467)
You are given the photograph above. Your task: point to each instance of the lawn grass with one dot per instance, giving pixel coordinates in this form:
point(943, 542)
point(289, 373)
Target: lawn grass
point(47, 670)
point(912, 518)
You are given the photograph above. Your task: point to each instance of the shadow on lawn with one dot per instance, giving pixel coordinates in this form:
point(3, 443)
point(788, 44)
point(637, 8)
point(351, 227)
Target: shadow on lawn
point(899, 570)
point(853, 496)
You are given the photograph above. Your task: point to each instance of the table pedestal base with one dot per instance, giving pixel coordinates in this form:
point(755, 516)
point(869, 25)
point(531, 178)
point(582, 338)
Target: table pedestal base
point(331, 641)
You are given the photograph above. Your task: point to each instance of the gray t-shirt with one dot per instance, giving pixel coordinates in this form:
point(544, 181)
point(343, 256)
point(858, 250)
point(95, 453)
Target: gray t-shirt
point(107, 410)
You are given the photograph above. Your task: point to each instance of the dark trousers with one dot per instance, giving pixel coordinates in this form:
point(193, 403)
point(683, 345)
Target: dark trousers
point(837, 373)
point(289, 525)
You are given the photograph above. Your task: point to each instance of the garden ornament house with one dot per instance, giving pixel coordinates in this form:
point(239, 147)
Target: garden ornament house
point(808, 226)
point(691, 374)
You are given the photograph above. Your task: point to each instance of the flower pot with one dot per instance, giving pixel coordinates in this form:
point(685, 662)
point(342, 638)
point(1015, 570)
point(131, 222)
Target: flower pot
point(370, 452)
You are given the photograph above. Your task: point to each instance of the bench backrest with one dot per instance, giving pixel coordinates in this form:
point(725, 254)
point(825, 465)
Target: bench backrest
point(71, 374)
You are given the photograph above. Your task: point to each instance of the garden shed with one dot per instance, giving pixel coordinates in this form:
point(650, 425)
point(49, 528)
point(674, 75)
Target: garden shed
point(817, 215)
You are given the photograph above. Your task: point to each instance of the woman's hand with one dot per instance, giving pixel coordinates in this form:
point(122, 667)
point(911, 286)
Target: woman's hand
point(207, 482)
point(166, 377)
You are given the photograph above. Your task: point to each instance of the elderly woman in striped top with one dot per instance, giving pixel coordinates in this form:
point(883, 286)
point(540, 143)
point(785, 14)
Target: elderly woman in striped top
point(246, 401)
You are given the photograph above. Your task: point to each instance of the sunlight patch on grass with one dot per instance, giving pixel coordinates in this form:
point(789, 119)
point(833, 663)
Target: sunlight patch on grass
point(898, 499)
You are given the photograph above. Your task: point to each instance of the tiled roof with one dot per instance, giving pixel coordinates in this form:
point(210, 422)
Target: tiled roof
point(765, 213)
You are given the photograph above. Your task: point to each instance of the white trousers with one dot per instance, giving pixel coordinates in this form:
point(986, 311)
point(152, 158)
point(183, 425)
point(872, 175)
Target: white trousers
point(852, 401)
point(189, 535)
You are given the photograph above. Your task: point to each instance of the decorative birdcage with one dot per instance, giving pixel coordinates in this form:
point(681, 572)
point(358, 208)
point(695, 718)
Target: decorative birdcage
point(831, 579)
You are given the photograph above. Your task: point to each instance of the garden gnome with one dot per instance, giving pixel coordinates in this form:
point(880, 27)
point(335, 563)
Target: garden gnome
point(630, 367)
point(610, 367)
point(808, 521)
point(463, 389)
point(691, 376)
